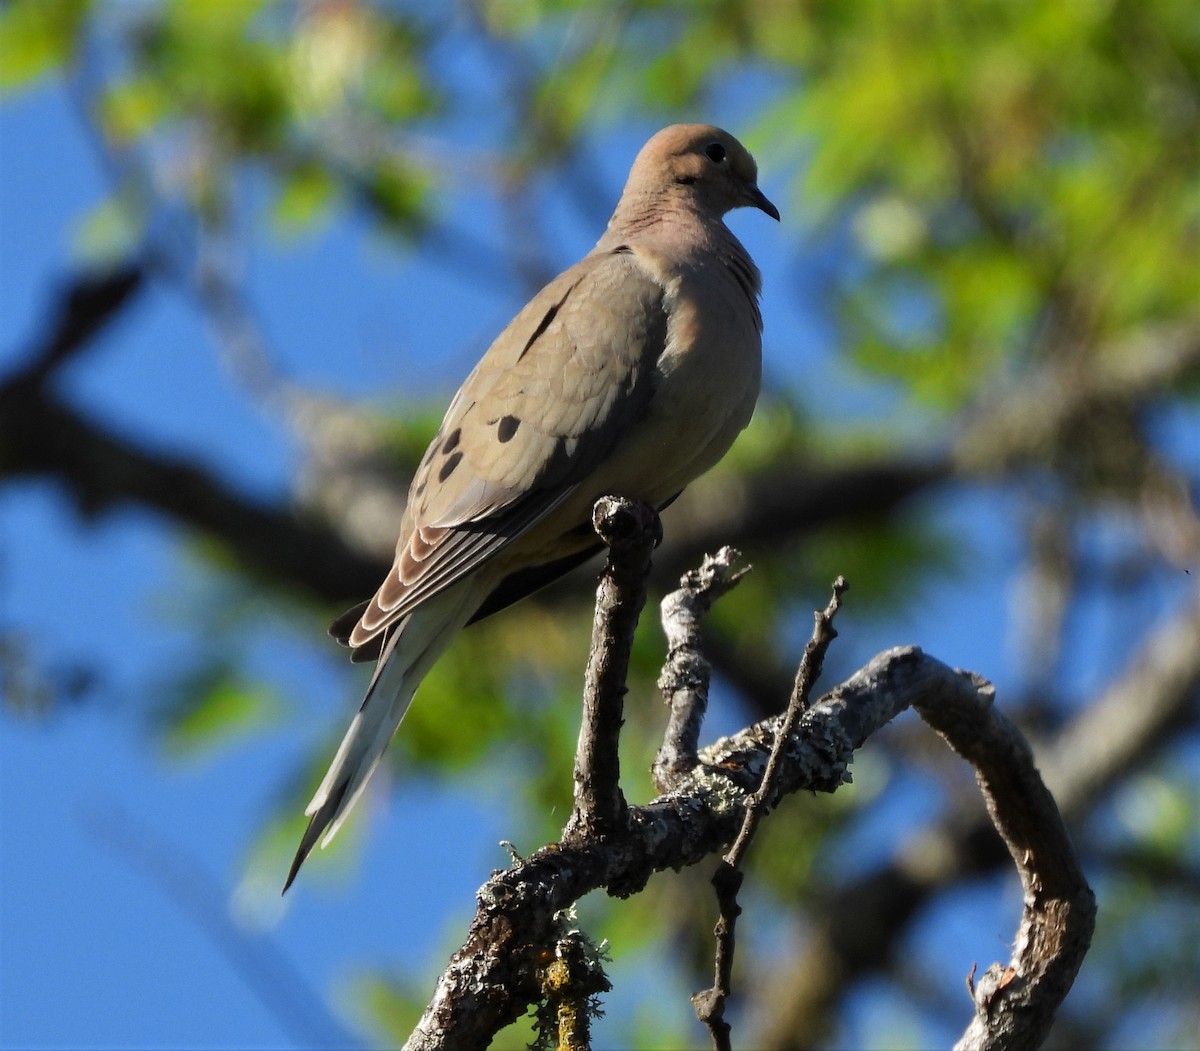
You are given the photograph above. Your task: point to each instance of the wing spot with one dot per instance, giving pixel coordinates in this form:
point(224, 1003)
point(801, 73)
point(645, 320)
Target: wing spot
point(448, 467)
point(451, 442)
point(508, 428)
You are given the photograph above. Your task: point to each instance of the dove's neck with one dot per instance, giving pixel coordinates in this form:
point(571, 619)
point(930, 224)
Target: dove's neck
point(689, 230)
point(683, 240)
point(636, 212)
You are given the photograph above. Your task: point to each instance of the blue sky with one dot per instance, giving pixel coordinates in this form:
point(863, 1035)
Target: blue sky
point(113, 941)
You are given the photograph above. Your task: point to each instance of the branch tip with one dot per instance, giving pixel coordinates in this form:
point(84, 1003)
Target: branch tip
point(728, 878)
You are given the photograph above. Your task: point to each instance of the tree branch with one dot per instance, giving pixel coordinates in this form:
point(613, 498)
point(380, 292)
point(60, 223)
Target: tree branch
point(685, 677)
point(1015, 1003)
point(789, 502)
point(858, 925)
point(630, 530)
point(496, 973)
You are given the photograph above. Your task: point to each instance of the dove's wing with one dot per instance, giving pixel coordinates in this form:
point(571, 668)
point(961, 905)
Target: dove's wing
point(545, 406)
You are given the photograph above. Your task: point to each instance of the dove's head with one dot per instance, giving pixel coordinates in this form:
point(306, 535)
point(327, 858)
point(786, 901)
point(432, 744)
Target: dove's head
point(705, 163)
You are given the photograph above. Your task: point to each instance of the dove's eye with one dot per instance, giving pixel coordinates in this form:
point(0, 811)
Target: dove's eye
point(714, 151)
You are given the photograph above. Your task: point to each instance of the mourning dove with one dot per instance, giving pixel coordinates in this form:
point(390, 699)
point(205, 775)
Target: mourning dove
point(629, 374)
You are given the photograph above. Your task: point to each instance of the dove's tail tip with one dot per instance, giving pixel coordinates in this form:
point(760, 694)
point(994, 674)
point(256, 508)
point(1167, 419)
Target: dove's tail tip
point(403, 662)
point(331, 812)
point(357, 758)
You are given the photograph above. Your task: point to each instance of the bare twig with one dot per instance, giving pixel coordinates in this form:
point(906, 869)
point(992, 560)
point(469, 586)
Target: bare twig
point(685, 676)
point(811, 664)
point(630, 530)
point(727, 880)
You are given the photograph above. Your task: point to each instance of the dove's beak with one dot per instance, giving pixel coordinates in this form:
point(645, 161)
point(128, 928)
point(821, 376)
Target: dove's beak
point(758, 199)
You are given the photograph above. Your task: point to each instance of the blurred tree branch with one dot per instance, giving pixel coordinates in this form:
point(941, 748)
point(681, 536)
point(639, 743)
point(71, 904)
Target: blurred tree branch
point(42, 436)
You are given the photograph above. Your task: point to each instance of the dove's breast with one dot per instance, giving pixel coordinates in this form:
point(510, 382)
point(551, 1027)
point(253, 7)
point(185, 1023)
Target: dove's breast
point(708, 376)
point(705, 384)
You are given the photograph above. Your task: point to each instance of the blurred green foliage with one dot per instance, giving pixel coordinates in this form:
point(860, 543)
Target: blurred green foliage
point(37, 38)
point(213, 708)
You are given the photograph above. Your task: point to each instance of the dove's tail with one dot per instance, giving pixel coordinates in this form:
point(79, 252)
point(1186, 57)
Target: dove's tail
point(407, 656)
